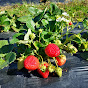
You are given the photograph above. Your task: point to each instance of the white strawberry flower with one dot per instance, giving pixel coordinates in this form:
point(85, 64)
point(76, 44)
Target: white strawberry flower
point(67, 21)
point(58, 19)
point(63, 19)
point(65, 14)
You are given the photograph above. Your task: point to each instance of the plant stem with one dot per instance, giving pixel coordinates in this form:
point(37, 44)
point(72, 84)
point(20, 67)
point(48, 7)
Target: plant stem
point(81, 31)
point(55, 61)
point(39, 37)
point(49, 62)
point(67, 40)
point(73, 27)
point(56, 27)
point(39, 55)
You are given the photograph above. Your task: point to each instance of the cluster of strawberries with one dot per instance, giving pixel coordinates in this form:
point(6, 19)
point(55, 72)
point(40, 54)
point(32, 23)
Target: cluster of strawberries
point(32, 63)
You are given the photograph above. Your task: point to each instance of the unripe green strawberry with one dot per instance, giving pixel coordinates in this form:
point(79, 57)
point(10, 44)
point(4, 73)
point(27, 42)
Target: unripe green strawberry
point(58, 42)
point(58, 71)
point(51, 68)
point(32, 35)
point(20, 63)
point(40, 30)
point(84, 46)
point(72, 49)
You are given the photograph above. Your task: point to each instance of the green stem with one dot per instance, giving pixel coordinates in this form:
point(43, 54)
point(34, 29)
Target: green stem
point(39, 37)
point(56, 27)
point(55, 61)
point(74, 27)
point(49, 62)
point(67, 33)
point(67, 40)
point(39, 55)
point(49, 29)
point(81, 31)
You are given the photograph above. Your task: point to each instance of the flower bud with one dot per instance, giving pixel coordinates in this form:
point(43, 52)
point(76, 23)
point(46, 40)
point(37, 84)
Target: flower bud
point(32, 35)
point(40, 30)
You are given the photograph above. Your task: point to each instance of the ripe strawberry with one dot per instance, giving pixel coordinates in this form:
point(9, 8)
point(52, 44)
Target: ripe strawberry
point(70, 23)
point(52, 50)
point(58, 71)
point(61, 60)
point(43, 73)
point(31, 63)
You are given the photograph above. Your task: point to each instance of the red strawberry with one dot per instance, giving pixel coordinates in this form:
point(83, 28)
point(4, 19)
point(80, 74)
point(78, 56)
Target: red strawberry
point(44, 74)
point(31, 63)
point(70, 23)
point(52, 50)
point(61, 60)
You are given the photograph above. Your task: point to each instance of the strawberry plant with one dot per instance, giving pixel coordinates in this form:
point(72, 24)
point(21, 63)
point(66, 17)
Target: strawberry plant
point(40, 38)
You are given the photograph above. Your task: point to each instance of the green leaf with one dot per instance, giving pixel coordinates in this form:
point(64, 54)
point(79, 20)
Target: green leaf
point(37, 44)
point(6, 28)
point(34, 11)
point(52, 25)
point(2, 55)
point(44, 22)
point(31, 25)
point(4, 19)
point(43, 33)
point(39, 17)
point(14, 40)
point(1, 61)
point(24, 18)
point(54, 10)
point(9, 58)
point(6, 23)
point(3, 43)
point(85, 23)
point(77, 39)
point(17, 35)
point(6, 49)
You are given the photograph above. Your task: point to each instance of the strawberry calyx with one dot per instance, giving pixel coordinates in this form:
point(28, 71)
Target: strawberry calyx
point(62, 56)
point(51, 68)
point(43, 66)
